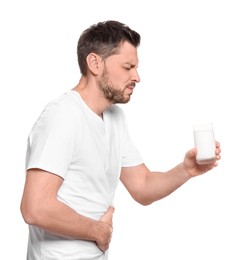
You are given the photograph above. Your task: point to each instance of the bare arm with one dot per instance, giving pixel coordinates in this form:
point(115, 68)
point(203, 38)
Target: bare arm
point(40, 207)
point(146, 186)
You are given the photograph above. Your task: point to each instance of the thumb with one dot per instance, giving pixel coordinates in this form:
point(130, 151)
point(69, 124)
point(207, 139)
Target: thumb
point(107, 216)
point(192, 153)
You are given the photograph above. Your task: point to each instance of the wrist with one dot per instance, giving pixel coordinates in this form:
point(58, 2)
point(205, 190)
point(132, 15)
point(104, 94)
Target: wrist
point(184, 172)
point(97, 231)
point(94, 231)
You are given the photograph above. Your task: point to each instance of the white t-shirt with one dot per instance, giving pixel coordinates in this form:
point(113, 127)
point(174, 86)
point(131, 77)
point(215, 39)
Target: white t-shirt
point(70, 140)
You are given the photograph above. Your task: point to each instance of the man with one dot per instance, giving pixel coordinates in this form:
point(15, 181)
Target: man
point(79, 148)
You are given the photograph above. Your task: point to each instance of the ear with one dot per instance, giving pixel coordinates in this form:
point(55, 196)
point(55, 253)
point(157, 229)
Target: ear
point(94, 62)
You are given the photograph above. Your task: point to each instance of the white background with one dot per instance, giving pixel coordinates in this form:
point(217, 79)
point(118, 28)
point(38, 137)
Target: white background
point(189, 68)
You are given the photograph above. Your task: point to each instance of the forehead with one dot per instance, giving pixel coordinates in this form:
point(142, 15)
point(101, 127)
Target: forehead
point(127, 53)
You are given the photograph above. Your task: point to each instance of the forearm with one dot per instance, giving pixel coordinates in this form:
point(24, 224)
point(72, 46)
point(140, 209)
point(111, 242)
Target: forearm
point(146, 186)
point(160, 185)
point(56, 217)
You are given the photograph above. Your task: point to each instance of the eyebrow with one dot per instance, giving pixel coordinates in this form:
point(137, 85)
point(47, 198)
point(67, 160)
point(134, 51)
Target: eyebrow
point(130, 64)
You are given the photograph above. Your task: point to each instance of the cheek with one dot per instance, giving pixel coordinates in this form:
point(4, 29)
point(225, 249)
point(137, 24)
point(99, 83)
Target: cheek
point(120, 79)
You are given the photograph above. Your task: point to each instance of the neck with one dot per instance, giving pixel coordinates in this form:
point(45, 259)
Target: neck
point(92, 96)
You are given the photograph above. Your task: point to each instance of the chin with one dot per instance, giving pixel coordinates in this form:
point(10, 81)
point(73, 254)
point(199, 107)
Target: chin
point(126, 100)
point(122, 101)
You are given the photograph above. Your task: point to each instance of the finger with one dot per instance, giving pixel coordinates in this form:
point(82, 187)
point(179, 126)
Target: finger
point(192, 153)
point(108, 214)
point(111, 209)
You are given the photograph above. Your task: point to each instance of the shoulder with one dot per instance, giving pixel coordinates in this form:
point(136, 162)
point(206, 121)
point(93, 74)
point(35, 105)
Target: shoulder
point(58, 113)
point(62, 107)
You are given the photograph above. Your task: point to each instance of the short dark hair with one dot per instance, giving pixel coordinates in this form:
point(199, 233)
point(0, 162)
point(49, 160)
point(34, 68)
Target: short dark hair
point(104, 39)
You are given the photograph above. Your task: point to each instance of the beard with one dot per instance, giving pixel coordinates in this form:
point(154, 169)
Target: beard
point(110, 93)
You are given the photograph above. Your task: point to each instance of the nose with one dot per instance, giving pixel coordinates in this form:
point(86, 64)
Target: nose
point(135, 76)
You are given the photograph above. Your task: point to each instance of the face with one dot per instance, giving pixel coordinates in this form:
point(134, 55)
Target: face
point(119, 75)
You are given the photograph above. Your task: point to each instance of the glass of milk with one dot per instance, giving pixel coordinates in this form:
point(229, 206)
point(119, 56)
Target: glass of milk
point(204, 141)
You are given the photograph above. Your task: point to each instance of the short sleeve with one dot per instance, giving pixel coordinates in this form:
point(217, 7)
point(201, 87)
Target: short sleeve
point(51, 141)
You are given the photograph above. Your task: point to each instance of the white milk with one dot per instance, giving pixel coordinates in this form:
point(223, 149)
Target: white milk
point(204, 142)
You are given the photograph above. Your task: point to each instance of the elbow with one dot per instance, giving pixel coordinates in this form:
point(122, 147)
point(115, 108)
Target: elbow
point(28, 213)
point(142, 199)
point(144, 202)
